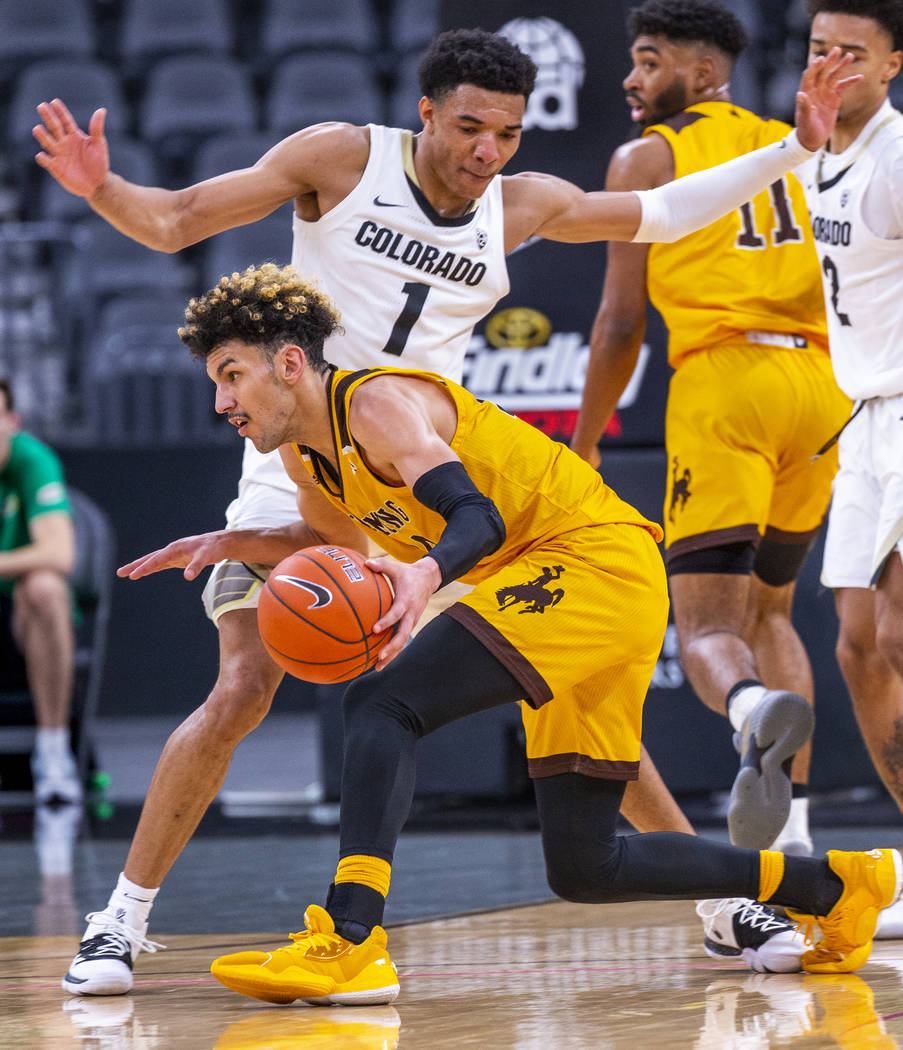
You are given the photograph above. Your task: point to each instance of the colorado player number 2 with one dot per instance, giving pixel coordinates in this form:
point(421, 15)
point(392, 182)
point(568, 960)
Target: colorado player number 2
point(415, 296)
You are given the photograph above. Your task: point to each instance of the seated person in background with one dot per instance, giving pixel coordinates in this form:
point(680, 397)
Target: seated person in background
point(37, 551)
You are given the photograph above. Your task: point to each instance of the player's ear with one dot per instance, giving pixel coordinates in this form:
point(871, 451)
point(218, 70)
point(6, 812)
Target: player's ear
point(706, 74)
point(894, 64)
point(427, 110)
point(292, 363)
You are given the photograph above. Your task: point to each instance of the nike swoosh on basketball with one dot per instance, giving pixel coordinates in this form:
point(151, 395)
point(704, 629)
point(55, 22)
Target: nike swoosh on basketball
point(385, 204)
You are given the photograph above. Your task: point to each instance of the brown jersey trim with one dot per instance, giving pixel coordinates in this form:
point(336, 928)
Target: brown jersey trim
point(538, 692)
point(716, 538)
point(573, 762)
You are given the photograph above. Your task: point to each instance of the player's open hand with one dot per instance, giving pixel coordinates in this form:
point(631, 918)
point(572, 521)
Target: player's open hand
point(79, 162)
point(818, 100)
point(191, 553)
point(412, 586)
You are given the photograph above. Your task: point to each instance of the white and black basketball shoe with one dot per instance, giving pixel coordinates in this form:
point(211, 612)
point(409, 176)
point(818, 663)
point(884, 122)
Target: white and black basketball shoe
point(739, 928)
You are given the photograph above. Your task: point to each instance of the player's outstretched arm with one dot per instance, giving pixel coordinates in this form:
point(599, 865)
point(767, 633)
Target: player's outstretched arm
point(670, 212)
point(321, 159)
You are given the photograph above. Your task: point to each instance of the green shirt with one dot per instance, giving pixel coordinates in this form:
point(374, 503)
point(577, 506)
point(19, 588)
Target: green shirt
point(31, 484)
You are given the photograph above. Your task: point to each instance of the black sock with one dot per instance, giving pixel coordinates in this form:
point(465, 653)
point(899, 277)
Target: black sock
point(808, 885)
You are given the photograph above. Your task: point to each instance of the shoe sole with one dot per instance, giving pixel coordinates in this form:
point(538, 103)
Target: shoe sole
point(94, 986)
point(760, 797)
point(271, 992)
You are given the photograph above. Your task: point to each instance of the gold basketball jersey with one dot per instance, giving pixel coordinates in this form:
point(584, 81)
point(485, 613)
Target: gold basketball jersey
point(541, 488)
point(753, 271)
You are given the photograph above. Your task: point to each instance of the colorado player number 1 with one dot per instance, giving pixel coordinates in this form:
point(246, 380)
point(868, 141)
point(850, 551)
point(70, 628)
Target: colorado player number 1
point(416, 294)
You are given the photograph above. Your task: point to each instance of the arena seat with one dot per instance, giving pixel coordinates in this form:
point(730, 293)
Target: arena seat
point(188, 98)
point(229, 152)
point(269, 240)
point(307, 89)
point(31, 30)
point(412, 24)
point(151, 31)
point(296, 25)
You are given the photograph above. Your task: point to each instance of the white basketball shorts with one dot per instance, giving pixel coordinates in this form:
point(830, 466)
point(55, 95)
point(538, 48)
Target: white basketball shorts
point(865, 524)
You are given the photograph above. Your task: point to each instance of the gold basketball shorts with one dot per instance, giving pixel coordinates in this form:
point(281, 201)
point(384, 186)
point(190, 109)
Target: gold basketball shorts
point(579, 621)
point(742, 428)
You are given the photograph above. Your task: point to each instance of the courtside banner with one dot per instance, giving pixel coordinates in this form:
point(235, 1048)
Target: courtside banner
point(530, 354)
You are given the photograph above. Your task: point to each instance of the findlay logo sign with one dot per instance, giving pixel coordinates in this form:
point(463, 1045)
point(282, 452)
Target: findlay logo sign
point(541, 384)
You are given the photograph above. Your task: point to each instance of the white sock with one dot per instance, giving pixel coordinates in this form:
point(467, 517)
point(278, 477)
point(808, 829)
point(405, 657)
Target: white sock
point(796, 829)
point(743, 702)
point(131, 903)
point(52, 743)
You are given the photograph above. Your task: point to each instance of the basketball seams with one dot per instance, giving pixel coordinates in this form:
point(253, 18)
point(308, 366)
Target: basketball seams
point(367, 645)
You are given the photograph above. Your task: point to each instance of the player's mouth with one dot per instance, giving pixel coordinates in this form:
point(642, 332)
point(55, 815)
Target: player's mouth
point(637, 109)
point(239, 422)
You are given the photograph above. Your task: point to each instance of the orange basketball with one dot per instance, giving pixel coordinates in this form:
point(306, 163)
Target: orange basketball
point(317, 611)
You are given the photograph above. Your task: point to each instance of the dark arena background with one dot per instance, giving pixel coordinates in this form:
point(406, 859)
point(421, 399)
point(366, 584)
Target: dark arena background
point(88, 340)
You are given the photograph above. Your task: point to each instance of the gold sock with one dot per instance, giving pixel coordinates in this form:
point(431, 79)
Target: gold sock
point(367, 871)
point(771, 871)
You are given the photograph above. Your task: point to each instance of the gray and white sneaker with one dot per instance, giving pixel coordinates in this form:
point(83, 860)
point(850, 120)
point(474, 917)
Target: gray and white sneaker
point(103, 965)
point(773, 732)
point(739, 928)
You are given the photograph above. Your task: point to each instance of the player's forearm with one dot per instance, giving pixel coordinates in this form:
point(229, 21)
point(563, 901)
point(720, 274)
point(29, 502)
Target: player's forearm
point(147, 214)
point(265, 546)
point(696, 200)
point(612, 359)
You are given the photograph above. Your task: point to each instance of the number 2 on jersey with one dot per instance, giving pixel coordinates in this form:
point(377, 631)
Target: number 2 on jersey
point(415, 297)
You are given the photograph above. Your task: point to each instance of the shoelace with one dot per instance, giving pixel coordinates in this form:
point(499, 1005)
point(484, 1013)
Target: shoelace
point(313, 941)
point(752, 913)
point(123, 937)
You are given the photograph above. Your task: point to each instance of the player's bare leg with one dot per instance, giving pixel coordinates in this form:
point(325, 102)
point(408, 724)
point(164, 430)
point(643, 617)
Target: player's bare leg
point(194, 762)
point(870, 654)
point(711, 614)
point(188, 776)
point(783, 663)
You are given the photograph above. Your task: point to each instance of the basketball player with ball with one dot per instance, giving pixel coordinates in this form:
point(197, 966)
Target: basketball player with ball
point(566, 615)
point(409, 234)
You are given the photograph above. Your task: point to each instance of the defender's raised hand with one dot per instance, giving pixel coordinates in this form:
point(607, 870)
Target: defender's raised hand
point(78, 162)
point(818, 100)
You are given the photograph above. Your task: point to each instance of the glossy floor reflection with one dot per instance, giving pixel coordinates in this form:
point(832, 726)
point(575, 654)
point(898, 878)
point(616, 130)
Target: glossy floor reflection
point(556, 975)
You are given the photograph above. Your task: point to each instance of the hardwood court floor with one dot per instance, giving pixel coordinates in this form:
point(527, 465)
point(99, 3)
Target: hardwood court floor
point(542, 977)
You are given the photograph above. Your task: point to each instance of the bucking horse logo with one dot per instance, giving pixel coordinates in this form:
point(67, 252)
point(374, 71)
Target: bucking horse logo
point(534, 595)
point(680, 489)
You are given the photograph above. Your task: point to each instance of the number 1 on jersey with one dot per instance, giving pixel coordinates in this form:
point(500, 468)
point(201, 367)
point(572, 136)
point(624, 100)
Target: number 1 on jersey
point(416, 294)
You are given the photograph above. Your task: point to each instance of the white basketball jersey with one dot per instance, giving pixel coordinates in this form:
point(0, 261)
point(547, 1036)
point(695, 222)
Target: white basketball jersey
point(862, 272)
point(410, 284)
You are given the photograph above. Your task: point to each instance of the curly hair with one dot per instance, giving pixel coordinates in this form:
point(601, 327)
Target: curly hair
point(265, 306)
point(887, 13)
point(691, 22)
point(474, 56)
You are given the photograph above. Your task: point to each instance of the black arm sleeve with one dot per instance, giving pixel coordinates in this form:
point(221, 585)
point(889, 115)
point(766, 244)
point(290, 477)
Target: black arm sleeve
point(474, 526)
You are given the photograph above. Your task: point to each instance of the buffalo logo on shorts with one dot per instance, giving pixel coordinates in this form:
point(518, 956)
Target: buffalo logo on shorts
point(534, 595)
point(680, 489)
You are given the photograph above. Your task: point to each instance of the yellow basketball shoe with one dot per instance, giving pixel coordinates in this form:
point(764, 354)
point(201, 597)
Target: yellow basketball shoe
point(871, 881)
point(319, 967)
